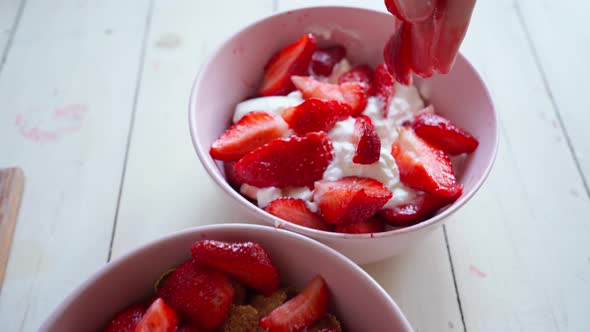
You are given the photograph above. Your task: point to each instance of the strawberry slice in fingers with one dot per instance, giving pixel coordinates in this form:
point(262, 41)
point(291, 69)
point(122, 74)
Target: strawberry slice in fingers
point(291, 60)
point(397, 55)
point(350, 200)
point(367, 141)
point(441, 132)
point(296, 211)
point(302, 310)
point(315, 115)
point(252, 131)
point(158, 318)
point(422, 41)
point(352, 93)
point(423, 166)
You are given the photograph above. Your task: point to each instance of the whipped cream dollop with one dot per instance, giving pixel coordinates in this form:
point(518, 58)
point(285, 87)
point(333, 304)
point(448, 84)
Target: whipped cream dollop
point(405, 103)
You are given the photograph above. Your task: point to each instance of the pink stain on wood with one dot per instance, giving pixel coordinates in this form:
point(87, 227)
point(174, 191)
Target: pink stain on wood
point(475, 270)
point(50, 126)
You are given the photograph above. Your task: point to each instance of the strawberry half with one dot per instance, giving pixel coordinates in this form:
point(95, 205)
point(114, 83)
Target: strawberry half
point(384, 88)
point(291, 60)
point(126, 320)
point(315, 115)
point(295, 161)
point(200, 295)
point(248, 262)
point(302, 310)
point(158, 318)
point(367, 141)
point(296, 211)
point(360, 74)
point(443, 133)
point(230, 174)
point(372, 225)
point(397, 55)
point(422, 207)
point(252, 131)
point(423, 166)
point(324, 60)
point(352, 93)
point(350, 199)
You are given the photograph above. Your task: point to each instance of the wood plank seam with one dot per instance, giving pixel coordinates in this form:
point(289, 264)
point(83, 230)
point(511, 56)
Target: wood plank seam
point(132, 121)
point(454, 278)
point(13, 29)
point(541, 70)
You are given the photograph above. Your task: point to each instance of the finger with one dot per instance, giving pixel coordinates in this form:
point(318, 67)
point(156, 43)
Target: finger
point(451, 20)
point(411, 11)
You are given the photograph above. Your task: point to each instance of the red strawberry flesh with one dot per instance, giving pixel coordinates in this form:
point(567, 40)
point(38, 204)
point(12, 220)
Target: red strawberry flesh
point(422, 207)
point(126, 320)
point(360, 74)
point(296, 161)
point(352, 93)
point(350, 200)
point(441, 132)
point(200, 295)
point(324, 60)
point(372, 225)
point(291, 60)
point(300, 311)
point(367, 141)
point(423, 166)
point(397, 55)
point(248, 262)
point(296, 211)
point(158, 318)
point(251, 132)
point(384, 88)
point(315, 115)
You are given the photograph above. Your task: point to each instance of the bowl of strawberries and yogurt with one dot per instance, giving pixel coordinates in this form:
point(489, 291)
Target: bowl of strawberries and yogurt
point(229, 278)
point(328, 144)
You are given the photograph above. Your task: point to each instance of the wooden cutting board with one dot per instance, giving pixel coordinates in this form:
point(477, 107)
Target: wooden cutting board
point(12, 182)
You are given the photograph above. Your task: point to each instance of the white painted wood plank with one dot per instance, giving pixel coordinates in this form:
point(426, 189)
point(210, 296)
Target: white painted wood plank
point(563, 51)
point(8, 15)
point(166, 188)
point(521, 254)
point(66, 92)
point(420, 280)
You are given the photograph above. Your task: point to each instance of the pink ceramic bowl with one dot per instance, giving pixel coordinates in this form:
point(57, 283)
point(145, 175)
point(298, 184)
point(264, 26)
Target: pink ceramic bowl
point(131, 278)
point(235, 70)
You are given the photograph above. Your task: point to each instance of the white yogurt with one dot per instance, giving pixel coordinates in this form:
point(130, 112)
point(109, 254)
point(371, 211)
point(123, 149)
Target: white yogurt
point(406, 102)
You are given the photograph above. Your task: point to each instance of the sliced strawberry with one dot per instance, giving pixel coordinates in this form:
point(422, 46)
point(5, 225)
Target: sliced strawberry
point(443, 133)
point(423, 44)
point(372, 225)
point(252, 131)
point(200, 295)
point(352, 93)
point(295, 161)
point(451, 19)
point(397, 55)
point(350, 200)
point(422, 207)
point(324, 60)
point(423, 166)
point(291, 60)
point(230, 174)
point(367, 141)
point(384, 88)
point(158, 318)
point(248, 262)
point(411, 11)
point(296, 211)
point(315, 115)
point(361, 74)
point(300, 311)
point(126, 320)
point(187, 329)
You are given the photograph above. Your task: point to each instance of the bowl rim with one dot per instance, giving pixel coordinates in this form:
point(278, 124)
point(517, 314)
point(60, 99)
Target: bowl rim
point(269, 219)
point(196, 232)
